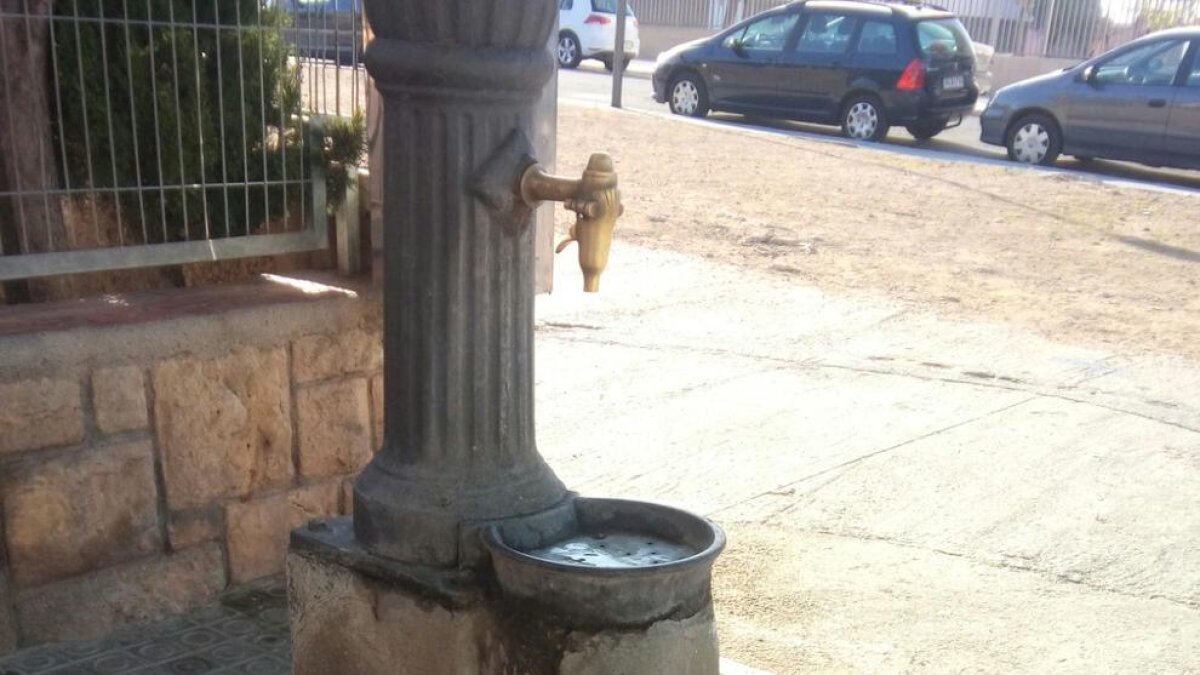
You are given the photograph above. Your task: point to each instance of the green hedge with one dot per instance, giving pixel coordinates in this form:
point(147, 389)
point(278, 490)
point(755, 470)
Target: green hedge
point(214, 103)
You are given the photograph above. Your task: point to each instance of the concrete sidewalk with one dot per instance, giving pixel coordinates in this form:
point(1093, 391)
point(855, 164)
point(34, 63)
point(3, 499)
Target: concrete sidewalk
point(902, 492)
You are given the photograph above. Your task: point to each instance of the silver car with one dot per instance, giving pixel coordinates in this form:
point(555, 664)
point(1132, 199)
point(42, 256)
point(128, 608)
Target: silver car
point(1139, 102)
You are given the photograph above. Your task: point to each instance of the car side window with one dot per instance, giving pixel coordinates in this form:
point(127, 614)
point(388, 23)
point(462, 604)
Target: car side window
point(566, 4)
point(1153, 64)
point(877, 37)
point(610, 7)
point(827, 34)
point(768, 34)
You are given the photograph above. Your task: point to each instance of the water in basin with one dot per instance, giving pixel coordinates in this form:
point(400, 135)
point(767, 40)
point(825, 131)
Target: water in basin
point(613, 551)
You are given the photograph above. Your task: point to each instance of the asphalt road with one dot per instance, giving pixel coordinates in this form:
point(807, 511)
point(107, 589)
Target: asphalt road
point(589, 87)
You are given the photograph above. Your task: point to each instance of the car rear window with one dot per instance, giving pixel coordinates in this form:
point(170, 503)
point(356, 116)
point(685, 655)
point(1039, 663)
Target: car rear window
point(609, 7)
point(877, 37)
point(941, 38)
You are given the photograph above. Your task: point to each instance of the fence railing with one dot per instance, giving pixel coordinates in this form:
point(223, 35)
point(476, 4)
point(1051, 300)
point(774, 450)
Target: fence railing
point(1074, 29)
point(150, 132)
point(1069, 29)
point(714, 14)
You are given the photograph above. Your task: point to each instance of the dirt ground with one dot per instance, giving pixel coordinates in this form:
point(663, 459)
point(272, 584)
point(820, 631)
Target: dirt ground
point(1068, 258)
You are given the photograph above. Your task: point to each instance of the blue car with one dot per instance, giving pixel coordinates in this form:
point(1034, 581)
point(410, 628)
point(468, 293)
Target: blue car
point(1139, 102)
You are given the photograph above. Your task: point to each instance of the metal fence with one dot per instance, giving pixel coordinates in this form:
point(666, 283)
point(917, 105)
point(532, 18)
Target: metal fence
point(714, 14)
point(149, 132)
point(1069, 29)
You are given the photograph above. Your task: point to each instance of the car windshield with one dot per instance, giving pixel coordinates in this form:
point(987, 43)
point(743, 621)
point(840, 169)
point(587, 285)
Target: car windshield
point(943, 38)
point(610, 7)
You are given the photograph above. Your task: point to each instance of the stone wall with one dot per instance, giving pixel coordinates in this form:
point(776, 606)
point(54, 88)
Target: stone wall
point(1008, 68)
point(156, 449)
point(658, 39)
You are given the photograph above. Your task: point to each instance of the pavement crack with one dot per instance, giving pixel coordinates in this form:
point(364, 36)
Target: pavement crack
point(870, 455)
point(1003, 383)
point(1073, 577)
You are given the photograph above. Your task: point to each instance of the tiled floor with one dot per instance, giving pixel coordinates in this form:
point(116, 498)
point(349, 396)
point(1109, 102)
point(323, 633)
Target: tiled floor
point(246, 632)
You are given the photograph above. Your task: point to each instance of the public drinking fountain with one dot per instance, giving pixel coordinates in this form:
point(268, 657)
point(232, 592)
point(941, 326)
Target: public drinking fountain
point(465, 553)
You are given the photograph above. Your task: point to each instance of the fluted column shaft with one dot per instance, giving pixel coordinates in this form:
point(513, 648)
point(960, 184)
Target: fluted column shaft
point(457, 78)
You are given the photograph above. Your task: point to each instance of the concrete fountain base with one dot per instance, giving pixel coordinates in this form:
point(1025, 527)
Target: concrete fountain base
point(354, 613)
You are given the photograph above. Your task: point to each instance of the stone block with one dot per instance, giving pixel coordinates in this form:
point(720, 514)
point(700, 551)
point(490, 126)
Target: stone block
point(335, 427)
point(258, 530)
point(81, 512)
point(318, 357)
point(39, 413)
point(684, 647)
point(348, 623)
point(377, 412)
point(119, 397)
point(91, 606)
point(224, 425)
point(188, 528)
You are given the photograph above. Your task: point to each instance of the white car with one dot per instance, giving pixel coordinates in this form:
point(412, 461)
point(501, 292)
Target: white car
point(587, 29)
point(984, 55)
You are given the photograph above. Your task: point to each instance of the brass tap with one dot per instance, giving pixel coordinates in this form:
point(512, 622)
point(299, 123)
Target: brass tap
point(596, 202)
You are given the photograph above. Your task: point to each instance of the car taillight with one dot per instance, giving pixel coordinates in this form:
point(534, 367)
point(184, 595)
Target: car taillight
point(597, 19)
point(913, 77)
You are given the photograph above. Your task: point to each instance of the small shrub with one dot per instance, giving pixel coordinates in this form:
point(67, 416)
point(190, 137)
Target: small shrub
point(206, 118)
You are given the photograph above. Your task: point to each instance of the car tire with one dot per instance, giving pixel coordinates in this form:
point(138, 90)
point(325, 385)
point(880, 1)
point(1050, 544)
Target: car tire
point(864, 119)
point(1034, 139)
point(688, 96)
point(568, 53)
point(923, 130)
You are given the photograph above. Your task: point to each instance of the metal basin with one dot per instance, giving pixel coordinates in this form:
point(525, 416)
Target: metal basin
point(620, 563)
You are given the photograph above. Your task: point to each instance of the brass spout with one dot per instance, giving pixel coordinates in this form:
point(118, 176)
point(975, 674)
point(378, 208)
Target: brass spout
point(596, 202)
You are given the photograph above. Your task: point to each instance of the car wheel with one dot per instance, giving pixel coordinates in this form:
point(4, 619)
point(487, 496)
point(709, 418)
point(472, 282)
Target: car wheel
point(568, 53)
point(863, 119)
point(923, 130)
point(688, 96)
point(1034, 139)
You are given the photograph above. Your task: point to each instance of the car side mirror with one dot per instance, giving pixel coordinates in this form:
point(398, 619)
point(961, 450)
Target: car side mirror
point(1088, 75)
point(736, 45)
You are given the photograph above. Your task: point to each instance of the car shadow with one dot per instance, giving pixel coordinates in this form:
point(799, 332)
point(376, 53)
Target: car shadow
point(1175, 252)
point(1180, 178)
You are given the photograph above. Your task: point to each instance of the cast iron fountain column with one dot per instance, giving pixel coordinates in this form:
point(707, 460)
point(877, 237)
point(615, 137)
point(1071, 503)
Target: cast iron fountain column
point(460, 81)
point(465, 554)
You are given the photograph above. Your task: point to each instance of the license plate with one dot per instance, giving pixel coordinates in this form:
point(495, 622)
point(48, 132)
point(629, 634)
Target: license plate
point(629, 45)
point(954, 82)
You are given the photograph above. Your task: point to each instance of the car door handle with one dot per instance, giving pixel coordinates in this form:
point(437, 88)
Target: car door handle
point(1158, 103)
